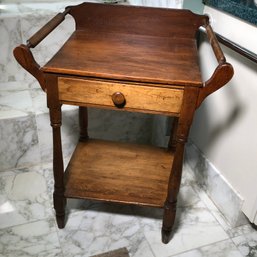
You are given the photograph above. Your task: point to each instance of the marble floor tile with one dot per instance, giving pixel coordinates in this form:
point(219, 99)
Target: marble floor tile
point(224, 248)
point(247, 244)
point(101, 228)
point(77, 210)
point(94, 227)
point(23, 198)
point(240, 230)
point(33, 239)
point(194, 227)
point(151, 218)
point(143, 250)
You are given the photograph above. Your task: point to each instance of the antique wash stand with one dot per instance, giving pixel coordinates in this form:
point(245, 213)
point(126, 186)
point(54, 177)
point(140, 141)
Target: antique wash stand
point(128, 58)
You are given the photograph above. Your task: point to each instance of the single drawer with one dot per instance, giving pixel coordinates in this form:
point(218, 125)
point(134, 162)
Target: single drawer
point(120, 95)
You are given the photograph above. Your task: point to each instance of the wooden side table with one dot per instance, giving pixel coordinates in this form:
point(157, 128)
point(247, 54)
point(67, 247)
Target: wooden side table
point(133, 59)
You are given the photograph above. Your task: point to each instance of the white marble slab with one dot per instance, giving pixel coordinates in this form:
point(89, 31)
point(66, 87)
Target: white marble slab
point(219, 189)
point(224, 248)
point(195, 227)
point(19, 142)
point(10, 32)
point(241, 230)
point(23, 198)
point(33, 239)
point(39, 101)
point(101, 228)
point(247, 244)
point(94, 228)
point(15, 101)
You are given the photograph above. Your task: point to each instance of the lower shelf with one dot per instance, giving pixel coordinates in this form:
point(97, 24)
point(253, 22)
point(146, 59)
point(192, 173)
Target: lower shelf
point(119, 172)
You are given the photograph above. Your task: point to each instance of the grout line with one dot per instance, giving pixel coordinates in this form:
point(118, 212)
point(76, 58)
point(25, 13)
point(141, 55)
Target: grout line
point(26, 223)
point(193, 249)
point(148, 244)
point(56, 230)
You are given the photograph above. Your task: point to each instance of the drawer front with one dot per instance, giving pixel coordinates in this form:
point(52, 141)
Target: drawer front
point(137, 97)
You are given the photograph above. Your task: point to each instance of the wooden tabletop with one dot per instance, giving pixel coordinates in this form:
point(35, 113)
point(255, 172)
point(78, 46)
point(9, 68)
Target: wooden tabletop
point(131, 43)
point(128, 57)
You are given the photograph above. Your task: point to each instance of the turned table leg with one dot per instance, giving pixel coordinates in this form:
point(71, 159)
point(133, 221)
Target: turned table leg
point(179, 135)
point(58, 195)
point(172, 141)
point(171, 201)
point(83, 123)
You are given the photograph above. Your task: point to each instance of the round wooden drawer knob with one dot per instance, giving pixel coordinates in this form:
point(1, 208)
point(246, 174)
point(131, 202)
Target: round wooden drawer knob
point(118, 99)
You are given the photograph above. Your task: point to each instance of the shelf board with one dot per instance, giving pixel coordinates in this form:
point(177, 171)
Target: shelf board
point(119, 172)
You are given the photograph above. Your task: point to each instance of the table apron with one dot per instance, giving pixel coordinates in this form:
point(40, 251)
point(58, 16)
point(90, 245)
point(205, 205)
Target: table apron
point(137, 97)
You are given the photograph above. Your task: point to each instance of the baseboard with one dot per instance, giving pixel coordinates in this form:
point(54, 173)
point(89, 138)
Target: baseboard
point(224, 196)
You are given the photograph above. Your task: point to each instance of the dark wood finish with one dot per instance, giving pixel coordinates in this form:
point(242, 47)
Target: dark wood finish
point(235, 47)
point(182, 131)
point(23, 54)
point(143, 60)
point(58, 170)
point(48, 28)
point(221, 76)
point(172, 141)
point(134, 20)
point(215, 45)
point(119, 172)
point(83, 123)
point(25, 58)
point(118, 99)
point(143, 56)
point(139, 97)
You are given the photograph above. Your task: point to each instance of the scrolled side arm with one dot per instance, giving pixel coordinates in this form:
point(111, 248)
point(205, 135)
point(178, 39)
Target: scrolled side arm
point(24, 56)
point(47, 29)
point(215, 44)
point(223, 72)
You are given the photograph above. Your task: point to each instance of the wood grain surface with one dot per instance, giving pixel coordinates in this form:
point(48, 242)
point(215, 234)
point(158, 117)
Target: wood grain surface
point(137, 97)
point(128, 57)
point(119, 172)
